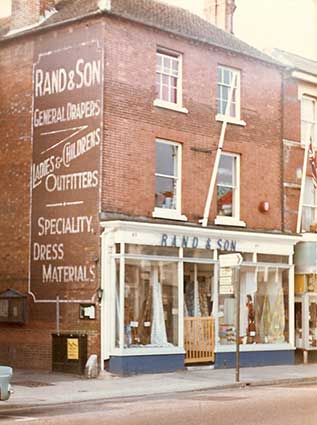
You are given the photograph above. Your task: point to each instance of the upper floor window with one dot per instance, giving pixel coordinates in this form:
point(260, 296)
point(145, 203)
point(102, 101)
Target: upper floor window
point(228, 190)
point(309, 215)
point(309, 120)
point(168, 79)
point(168, 180)
point(224, 80)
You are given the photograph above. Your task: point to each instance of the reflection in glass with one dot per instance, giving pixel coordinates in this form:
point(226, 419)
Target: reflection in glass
point(165, 193)
point(226, 185)
point(224, 201)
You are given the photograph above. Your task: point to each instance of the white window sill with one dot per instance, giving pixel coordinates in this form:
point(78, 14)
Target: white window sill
point(168, 213)
point(231, 120)
point(169, 105)
point(229, 221)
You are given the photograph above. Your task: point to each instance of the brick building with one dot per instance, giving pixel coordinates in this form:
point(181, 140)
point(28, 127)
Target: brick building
point(111, 114)
point(300, 136)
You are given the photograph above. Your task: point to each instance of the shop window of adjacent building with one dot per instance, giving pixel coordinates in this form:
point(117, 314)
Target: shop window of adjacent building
point(228, 190)
point(309, 214)
point(309, 120)
point(168, 180)
point(224, 82)
point(264, 306)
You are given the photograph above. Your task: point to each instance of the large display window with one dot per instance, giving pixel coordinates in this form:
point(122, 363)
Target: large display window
point(264, 307)
point(150, 303)
point(146, 298)
point(157, 293)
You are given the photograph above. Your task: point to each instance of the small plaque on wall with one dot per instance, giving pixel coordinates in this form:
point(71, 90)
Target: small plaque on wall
point(72, 349)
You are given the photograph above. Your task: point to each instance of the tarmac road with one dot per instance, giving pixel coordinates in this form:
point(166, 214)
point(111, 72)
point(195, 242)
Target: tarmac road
point(291, 405)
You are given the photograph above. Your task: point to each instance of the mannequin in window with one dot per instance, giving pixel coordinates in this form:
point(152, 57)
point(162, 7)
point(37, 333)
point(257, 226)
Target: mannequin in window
point(251, 331)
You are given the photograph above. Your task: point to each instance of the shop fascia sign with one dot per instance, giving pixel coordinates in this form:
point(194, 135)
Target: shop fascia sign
point(182, 241)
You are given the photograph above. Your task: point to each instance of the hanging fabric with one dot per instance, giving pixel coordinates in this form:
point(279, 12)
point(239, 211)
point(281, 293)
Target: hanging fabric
point(158, 331)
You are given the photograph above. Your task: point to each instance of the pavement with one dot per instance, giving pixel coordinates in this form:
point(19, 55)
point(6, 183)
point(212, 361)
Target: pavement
point(34, 388)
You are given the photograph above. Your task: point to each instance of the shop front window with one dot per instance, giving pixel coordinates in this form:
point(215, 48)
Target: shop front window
point(150, 304)
point(263, 308)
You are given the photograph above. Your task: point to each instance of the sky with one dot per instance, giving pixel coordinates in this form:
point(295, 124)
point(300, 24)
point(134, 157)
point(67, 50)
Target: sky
point(285, 24)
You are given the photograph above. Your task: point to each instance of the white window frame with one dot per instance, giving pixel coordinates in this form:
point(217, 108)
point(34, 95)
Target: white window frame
point(236, 119)
point(313, 122)
point(169, 213)
point(235, 219)
point(309, 206)
point(178, 105)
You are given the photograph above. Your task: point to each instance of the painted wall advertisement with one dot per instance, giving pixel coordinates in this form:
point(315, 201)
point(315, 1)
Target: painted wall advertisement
point(66, 165)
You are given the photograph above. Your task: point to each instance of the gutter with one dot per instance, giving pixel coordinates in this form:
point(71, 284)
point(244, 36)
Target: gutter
point(305, 76)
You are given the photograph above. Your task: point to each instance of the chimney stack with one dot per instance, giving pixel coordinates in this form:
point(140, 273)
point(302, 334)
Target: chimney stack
point(220, 13)
point(27, 13)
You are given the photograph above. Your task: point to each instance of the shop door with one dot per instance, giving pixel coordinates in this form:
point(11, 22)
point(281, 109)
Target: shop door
point(199, 340)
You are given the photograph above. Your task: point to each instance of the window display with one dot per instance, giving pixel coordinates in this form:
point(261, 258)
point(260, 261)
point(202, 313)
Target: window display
point(198, 290)
point(263, 308)
point(164, 297)
point(150, 303)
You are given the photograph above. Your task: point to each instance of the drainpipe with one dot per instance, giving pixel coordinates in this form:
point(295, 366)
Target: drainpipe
point(283, 203)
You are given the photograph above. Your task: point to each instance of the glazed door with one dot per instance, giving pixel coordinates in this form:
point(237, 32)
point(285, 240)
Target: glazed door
point(199, 340)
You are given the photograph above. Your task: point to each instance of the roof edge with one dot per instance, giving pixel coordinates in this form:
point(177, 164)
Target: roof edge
point(104, 8)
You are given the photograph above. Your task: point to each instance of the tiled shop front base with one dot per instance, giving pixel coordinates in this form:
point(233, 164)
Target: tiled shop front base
point(255, 358)
point(129, 365)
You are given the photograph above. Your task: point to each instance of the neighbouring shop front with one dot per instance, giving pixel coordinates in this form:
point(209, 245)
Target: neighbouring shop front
point(164, 307)
point(305, 260)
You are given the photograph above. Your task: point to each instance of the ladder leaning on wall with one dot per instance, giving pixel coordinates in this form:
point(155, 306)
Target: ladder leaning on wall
point(204, 220)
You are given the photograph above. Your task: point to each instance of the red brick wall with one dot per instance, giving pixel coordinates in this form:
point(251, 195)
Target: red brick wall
point(132, 123)
point(291, 114)
point(26, 345)
point(293, 151)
